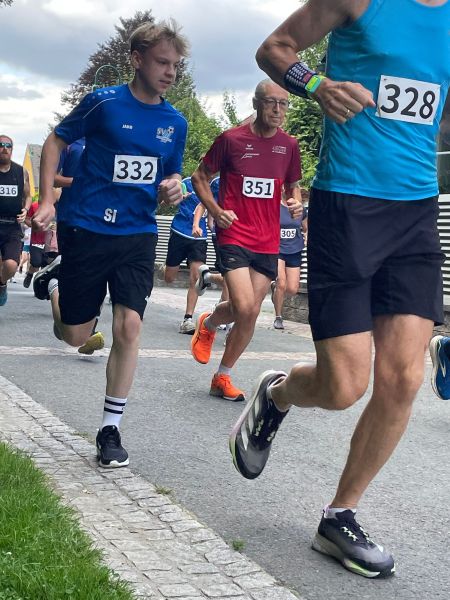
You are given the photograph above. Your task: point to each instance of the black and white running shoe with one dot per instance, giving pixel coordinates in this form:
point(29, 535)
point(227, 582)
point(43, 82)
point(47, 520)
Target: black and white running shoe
point(252, 436)
point(203, 282)
point(110, 452)
point(343, 538)
point(42, 278)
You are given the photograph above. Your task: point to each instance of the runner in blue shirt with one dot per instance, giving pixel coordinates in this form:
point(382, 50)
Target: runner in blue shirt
point(132, 161)
point(187, 242)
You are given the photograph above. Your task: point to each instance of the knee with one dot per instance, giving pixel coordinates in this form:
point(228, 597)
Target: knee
point(292, 289)
point(126, 329)
point(245, 313)
point(399, 385)
point(346, 393)
point(281, 285)
point(169, 276)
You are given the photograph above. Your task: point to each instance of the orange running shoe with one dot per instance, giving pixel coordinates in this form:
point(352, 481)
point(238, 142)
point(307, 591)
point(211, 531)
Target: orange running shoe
point(221, 386)
point(202, 341)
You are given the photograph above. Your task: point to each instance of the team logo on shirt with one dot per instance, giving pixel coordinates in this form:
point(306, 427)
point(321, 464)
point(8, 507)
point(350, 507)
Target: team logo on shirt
point(249, 152)
point(165, 135)
point(279, 149)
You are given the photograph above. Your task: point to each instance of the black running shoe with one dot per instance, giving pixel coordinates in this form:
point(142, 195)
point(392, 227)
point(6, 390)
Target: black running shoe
point(252, 436)
point(344, 539)
point(110, 452)
point(27, 280)
point(41, 279)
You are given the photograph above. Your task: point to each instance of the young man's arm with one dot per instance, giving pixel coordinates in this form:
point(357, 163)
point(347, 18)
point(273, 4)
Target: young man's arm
point(306, 26)
point(51, 150)
point(200, 181)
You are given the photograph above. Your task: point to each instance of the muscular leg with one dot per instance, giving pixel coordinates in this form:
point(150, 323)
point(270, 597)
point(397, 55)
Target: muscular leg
point(339, 378)
point(8, 268)
point(192, 296)
point(280, 289)
point(247, 290)
point(74, 335)
point(124, 351)
point(400, 345)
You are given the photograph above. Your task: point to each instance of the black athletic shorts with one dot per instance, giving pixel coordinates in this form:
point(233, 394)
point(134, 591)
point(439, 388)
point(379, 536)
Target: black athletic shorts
point(234, 257)
point(181, 248)
point(92, 261)
point(10, 242)
point(218, 264)
point(39, 258)
point(292, 261)
point(369, 257)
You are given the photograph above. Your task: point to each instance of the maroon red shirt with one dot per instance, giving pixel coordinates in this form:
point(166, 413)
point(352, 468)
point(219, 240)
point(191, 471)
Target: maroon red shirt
point(253, 170)
point(37, 237)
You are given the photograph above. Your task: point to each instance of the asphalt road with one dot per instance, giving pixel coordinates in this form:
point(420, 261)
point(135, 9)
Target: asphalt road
point(176, 435)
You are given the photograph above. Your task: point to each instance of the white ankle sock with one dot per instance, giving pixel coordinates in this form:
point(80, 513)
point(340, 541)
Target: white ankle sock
point(330, 512)
point(113, 411)
point(223, 369)
point(52, 286)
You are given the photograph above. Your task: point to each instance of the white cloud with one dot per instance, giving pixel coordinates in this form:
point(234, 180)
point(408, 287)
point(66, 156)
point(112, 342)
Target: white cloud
point(47, 43)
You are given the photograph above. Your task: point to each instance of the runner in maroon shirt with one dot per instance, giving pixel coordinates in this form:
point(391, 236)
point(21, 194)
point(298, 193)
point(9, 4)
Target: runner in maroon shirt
point(254, 162)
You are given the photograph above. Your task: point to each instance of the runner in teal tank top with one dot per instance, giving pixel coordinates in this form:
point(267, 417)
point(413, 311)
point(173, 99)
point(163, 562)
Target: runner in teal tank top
point(374, 257)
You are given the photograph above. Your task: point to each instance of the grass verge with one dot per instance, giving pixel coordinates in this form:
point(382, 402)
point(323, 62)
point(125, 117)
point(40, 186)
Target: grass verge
point(44, 554)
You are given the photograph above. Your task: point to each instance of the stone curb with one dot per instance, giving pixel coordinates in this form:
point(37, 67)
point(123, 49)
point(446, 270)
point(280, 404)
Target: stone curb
point(146, 538)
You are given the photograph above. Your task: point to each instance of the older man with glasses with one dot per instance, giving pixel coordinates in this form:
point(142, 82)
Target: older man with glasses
point(254, 160)
point(15, 200)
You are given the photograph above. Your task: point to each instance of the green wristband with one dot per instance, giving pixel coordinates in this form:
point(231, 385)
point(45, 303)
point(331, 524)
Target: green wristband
point(313, 84)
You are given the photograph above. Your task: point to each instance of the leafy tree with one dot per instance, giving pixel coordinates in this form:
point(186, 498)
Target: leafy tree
point(6, 2)
point(229, 109)
point(305, 119)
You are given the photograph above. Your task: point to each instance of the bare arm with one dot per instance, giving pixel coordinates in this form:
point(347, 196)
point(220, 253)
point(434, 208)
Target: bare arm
point(198, 214)
point(294, 200)
point(305, 27)
point(51, 150)
point(200, 181)
point(26, 198)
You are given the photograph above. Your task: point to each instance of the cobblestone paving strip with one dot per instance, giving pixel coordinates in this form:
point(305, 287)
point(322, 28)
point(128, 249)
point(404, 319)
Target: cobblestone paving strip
point(149, 540)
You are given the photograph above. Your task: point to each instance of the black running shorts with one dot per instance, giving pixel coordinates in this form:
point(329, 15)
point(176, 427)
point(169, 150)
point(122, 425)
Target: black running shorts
point(369, 257)
point(181, 248)
point(235, 257)
point(10, 242)
point(92, 261)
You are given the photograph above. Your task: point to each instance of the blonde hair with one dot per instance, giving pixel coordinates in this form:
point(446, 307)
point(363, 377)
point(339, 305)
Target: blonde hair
point(150, 34)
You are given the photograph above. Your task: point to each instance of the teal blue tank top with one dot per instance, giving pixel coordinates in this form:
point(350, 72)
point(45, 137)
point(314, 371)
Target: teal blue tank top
point(400, 50)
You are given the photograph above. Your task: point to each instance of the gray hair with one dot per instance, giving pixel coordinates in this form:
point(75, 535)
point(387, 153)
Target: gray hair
point(260, 89)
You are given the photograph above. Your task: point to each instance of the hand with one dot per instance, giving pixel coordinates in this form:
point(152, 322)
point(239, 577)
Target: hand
point(42, 218)
point(224, 219)
point(295, 208)
point(197, 231)
point(170, 192)
point(22, 215)
point(342, 100)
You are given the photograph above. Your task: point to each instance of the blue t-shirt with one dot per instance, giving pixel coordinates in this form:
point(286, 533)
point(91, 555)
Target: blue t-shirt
point(130, 147)
point(68, 165)
point(400, 51)
point(291, 236)
point(182, 221)
point(214, 185)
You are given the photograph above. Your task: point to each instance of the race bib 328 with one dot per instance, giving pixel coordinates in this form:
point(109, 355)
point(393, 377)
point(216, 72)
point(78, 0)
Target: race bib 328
point(407, 100)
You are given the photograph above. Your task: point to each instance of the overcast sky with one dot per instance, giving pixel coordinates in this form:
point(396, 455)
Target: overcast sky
point(47, 43)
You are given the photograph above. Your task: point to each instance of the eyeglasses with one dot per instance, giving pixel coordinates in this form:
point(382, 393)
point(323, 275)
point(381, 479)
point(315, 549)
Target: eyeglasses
point(5, 145)
point(272, 102)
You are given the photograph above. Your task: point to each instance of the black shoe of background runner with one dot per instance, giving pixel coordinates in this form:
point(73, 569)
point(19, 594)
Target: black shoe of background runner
point(110, 452)
point(251, 437)
point(41, 279)
point(344, 539)
point(27, 280)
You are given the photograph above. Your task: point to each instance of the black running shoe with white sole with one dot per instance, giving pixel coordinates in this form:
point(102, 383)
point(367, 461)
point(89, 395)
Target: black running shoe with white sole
point(343, 538)
point(110, 452)
point(203, 282)
point(42, 278)
point(252, 436)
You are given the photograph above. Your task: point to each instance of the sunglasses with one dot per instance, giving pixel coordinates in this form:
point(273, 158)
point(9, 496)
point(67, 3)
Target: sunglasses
point(5, 145)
